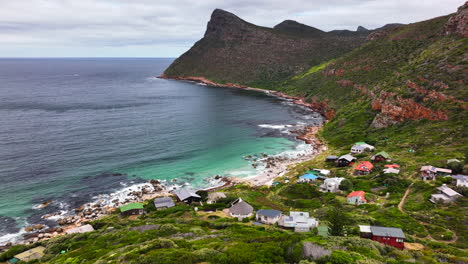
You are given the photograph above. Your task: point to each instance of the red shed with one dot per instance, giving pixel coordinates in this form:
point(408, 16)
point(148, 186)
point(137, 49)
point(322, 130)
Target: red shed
point(391, 236)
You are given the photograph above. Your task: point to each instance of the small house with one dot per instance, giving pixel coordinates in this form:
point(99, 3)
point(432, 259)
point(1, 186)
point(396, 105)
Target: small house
point(391, 170)
point(213, 197)
point(345, 160)
point(356, 197)
point(187, 195)
point(453, 161)
point(363, 168)
point(309, 177)
point(331, 158)
point(322, 172)
point(430, 172)
point(331, 184)
point(391, 236)
point(445, 195)
point(461, 180)
point(393, 166)
point(80, 229)
point(299, 221)
point(357, 149)
point(240, 209)
point(29, 255)
point(380, 156)
point(132, 209)
point(366, 146)
point(163, 203)
point(268, 216)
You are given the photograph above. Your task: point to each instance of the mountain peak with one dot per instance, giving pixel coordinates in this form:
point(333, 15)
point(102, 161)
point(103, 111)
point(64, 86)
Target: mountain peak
point(223, 22)
point(361, 29)
point(294, 27)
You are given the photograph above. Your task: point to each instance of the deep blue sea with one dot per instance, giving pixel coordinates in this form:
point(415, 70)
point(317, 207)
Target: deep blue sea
point(71, 129)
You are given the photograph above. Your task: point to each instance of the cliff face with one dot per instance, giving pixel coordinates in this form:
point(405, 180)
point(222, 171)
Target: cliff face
point(233, 50)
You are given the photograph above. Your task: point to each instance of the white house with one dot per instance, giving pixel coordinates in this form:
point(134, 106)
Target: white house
point(241, 209)
point(445, 195)
point(331, 184)
point(357, 149)
point(268, 216)
point(462, 180)
point(300, 221)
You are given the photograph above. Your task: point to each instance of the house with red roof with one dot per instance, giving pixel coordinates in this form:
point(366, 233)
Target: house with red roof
point(392, 166)
point(356, 197)
point(363, 168)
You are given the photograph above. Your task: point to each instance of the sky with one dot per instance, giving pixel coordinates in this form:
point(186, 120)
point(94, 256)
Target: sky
point(159, 28)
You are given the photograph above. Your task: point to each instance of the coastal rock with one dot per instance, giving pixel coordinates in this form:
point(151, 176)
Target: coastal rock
point(45, 204)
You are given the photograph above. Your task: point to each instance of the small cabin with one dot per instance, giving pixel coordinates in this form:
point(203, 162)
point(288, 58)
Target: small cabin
point(430, 172)
point(240, 209)
point(357, 149)
point(356, 197)
point(268, 216)
point(386, 235)
point(308, 177)
point(187, 195)
point(163, 203)
point(345, 160)
point(331, 184)
point(331, 158)
point(445, 195)
point(381, 156)
point(363, 168)
point(132, 209)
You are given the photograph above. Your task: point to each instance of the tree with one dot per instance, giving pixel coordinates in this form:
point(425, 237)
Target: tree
point(346, 185)
point(455, 166)
point(338, 219)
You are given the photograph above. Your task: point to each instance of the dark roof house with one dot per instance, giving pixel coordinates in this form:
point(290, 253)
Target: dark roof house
point(132, 209)
point(268, 216)
point(163, 203)
point(187, 195)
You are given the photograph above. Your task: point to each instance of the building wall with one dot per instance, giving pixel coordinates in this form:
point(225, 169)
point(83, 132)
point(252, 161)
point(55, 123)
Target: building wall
point(355, 199)
point(391, 241)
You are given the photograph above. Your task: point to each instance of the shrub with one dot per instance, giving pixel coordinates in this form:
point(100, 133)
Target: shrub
point(346, 185)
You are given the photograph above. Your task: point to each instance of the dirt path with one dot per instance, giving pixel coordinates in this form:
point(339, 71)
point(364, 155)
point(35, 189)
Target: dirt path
point(400, 207)
point(402, 202)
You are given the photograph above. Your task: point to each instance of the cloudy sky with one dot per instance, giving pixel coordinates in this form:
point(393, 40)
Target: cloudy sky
point(160, 28)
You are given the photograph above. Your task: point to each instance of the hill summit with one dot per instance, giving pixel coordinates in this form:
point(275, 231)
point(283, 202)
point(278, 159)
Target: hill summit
point(265, 54)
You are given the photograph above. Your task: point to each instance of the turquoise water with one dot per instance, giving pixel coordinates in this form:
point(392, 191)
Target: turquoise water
point(76, 128)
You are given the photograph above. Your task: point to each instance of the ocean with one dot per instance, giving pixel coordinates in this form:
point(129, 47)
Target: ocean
point(74, 129)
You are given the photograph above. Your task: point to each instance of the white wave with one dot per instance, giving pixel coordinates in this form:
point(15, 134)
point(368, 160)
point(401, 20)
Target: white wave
point(153, 78)
point(202, 84)
point(13, 237)
point(275, 126)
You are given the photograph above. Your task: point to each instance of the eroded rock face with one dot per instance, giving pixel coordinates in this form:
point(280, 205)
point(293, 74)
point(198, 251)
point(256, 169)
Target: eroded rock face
point(458, 23)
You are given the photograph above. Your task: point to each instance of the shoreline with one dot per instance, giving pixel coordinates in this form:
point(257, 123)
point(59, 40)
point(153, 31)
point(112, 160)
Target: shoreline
point(275, 166)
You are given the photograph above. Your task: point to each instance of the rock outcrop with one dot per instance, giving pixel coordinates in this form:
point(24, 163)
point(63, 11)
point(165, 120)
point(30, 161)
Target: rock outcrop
point(239, 52)
point(458, 23)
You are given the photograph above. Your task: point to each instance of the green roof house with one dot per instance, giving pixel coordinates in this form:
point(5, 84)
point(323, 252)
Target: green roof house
point(132, 209)
point(381, 156)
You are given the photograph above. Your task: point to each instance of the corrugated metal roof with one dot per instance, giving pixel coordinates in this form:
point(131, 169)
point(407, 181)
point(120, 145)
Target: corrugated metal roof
point(447, 191)
point(163, 202)
point(383, 154)
point(186, 193)
point(387, 231)
point(131, 206)
point(348, 157)
point(365, 229)
point(269, 213)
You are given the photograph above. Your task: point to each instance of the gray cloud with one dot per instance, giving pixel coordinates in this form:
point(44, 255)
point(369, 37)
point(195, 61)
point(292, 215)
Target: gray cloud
point(87, 26)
